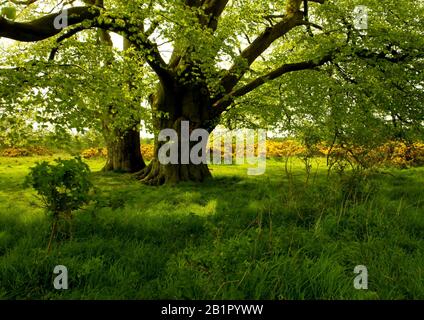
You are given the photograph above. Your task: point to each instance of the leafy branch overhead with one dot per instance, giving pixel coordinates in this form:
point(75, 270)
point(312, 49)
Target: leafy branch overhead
point(208, 14)
point(204, 61)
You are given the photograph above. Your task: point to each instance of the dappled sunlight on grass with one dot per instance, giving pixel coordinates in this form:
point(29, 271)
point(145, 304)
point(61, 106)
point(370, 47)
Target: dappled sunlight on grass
point(235, 236)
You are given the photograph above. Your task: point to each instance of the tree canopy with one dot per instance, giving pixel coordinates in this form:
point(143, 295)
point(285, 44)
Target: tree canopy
point(294, 63)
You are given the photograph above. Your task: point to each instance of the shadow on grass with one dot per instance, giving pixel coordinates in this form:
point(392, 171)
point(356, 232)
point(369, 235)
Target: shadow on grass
point(132, 240)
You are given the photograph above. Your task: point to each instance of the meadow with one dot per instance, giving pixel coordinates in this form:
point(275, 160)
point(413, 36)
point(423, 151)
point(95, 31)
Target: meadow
point(273, 236)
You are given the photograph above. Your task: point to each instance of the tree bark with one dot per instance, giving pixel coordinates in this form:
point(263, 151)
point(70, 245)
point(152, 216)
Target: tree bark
point(175, 105)
point(123, 146)
point(157, 173)
point(123, 151)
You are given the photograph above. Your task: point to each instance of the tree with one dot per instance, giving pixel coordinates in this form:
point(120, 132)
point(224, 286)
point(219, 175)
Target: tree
point(196, 85)
point(63, 92)
point(122, 142)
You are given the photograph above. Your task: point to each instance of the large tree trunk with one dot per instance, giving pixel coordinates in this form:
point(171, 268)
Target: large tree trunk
point(123, 146)
point(123, 152)
point(175, 106)
point(157, 173)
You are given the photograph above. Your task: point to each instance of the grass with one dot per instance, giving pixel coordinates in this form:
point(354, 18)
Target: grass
point(234, 237)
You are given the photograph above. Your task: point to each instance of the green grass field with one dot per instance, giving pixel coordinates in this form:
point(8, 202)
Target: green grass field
point(234, 237)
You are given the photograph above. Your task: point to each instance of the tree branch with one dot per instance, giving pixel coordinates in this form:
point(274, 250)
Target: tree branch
point(43, 28)
point(393, 56)
point(23, 2)
point(227, 100)
point(257, 47)
point(293, 18)
point(62, 38)
point(214, 9)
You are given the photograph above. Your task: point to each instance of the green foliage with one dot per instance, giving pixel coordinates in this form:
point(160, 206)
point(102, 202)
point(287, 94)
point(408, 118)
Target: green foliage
point(9, 12)
point(370, 93)
point(63, 187)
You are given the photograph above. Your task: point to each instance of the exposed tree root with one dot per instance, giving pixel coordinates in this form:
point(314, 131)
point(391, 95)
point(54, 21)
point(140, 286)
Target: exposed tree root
point(156, 174)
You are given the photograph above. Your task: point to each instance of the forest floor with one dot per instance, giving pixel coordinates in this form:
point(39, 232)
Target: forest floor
point(235, 237)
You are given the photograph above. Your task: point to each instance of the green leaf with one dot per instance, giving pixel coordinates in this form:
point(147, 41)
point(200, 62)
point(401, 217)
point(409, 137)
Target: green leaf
point(9, 12)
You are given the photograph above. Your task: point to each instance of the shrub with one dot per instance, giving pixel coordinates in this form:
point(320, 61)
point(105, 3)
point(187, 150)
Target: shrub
point(286, 148)
point(39, 151)
point(94, 153)
point(25, 152)
point(393, 153)
point(62, 187)
point(405, 155)
point(15, 152)
point(146, 150)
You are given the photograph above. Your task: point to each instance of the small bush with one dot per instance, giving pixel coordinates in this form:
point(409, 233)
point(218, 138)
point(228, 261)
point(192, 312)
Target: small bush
point(25, 152)
point(393, 153)
point(63, 188)
point(147, 150)
point(15, 152)
point(39, 151)
point(94, 153)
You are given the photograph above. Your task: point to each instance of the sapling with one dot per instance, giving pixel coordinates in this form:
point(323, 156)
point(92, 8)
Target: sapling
point(62, 187)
